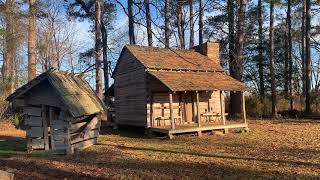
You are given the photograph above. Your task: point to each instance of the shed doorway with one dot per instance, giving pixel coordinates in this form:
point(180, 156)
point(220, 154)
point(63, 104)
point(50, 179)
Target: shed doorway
point(47, 130)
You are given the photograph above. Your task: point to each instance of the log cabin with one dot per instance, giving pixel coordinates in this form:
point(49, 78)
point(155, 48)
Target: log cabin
point(60, 110)
point(174, 91)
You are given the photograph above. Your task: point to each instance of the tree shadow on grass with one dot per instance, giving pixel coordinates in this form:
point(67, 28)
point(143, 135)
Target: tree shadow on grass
point(35, 170)
point(127, 167)
point(12, 145)
point(297, 121)
point(125, 131)
point(278, 161)
point(114, 164)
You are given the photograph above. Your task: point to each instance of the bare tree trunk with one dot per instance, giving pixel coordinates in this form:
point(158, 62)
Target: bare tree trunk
point(286, 63)
point(200, 23)
point(191, 43)
point(183, 29)
point(290, 55)
point(273, 84)
point(5, 71)
point(166, 22)
point(10, 48)
point(131, 22)
point(13, 71)
point(32, 40)
point(308, 56)
point(71, 60)
point(180, 26)
point(235, 98)
point(303, 48)
point(261, 59)
point(98, 48)
point(148, 19)
point(231, 39)
point(105, 60)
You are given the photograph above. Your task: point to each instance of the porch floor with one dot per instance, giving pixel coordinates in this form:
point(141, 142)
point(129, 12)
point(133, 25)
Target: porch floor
point(189, 128)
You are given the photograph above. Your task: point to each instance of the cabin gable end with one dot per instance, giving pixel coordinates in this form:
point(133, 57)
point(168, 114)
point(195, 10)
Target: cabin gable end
point(126, 63)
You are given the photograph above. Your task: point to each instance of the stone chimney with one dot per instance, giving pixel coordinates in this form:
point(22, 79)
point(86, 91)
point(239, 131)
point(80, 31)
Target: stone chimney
point(210, 49)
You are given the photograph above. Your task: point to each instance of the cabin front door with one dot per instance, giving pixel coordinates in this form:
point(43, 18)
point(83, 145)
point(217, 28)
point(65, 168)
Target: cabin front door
point(188, 107)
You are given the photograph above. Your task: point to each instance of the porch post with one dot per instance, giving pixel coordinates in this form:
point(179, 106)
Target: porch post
point(198, 111)
point(171, 111)
point(244, 109)
point(223, 117)
point(151, 110)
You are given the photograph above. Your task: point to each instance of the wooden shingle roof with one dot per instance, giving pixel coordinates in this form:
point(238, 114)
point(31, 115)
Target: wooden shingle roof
point(177, 59)
point(199, 81)
point(74, 91)
point(182, 70)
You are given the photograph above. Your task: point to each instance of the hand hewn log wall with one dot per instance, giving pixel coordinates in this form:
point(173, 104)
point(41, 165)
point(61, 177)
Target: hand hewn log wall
point(208, 102)
point(130, 92)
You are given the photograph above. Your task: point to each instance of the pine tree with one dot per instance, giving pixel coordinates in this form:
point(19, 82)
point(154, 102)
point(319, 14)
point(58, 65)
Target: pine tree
point(98, 48)
point(32, 40)
point(271, 62)
point(148, 20)
point(308, 56)
point(166, 22)
point(191, 14)
point(132, 38)
point(260, 48)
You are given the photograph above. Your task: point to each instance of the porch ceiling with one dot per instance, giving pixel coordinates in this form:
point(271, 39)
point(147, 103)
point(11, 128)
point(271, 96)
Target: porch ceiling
point(199, 81)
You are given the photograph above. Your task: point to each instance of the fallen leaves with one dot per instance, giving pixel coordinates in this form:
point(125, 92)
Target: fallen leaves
point(272, 149)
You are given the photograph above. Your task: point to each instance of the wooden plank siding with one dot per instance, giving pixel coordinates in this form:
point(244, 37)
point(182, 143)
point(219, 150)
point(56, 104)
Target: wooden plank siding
point(130, 98)
point(84, 144)
point(44, 94)
point(75, 138)
point(57, 108)
point(195, 128)
point(130, 91)
point(32, 111)
point(59, 130)
point(35, 132)
point(126, 64)
point(37, 144)
point(33, 121)
point(161, 108)
point(77, 127)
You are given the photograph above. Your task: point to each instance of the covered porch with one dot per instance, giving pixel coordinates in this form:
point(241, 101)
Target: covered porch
point(195, 128)
point(195, 106)
point(203, 119)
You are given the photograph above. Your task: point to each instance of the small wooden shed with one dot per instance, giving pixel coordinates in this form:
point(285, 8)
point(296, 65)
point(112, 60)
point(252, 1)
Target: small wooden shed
point(61, 111)
point(173, 91)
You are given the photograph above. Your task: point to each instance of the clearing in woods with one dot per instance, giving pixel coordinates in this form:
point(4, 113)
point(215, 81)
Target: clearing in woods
point(272, 149)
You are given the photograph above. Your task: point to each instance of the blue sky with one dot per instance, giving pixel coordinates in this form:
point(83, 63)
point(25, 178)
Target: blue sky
point(119, 36)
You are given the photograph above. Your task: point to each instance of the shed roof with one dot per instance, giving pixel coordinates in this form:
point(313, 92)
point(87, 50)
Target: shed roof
point(199, 81)
point(74, 91)
point(177, 59)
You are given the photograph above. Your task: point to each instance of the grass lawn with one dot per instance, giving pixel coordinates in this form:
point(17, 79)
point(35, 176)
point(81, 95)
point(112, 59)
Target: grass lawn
point(271, 150)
